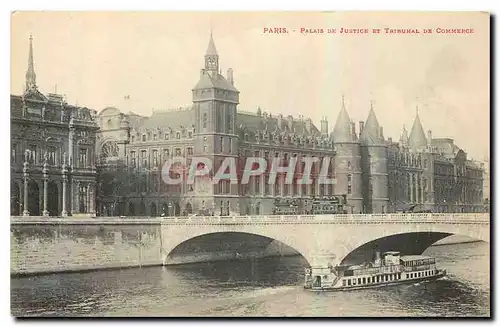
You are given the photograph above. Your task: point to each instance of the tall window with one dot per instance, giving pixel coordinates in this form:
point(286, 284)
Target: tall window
point(83, 160)
point(132, 157)
point(349, 189)
point(51, 155)
point(166, 154)
point(229, 123)
point(82, 198)
point(349, 177)
point(13, 156)
point(144, 158)
point(190, 151)
point(32, 149)
point(155, 158)
point(230, 146)
point(205, 120)
point(205, 146)
point(177, 151)
point(221, 144)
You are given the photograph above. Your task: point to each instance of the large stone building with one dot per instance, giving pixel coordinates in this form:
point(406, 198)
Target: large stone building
point(373, 174)
point(52, 153)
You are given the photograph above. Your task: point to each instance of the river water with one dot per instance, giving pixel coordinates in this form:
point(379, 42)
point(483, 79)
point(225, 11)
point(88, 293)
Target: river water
point(260, 287)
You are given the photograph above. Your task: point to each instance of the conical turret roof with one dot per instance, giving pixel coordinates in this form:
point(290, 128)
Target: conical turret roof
point(342, 131)
point(371, 131)
point(417, 138)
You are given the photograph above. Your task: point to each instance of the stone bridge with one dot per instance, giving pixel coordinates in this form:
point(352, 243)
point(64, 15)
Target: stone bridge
point(334, 239)
point(323, 240)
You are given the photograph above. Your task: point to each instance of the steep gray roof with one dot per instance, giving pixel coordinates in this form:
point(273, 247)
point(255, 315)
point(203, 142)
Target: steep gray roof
point(417, 138)
point(371, 132)
point(342, 131)
point(252, 123)
point(163, 119)
point(211, 50)
point(218, 81)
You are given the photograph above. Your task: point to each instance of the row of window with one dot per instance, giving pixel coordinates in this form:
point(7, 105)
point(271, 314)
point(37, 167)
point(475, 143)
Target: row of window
point(385, 278)
point(283, 189)
point(144, 156)
point(371, 280)
point(51, 156)
point(420, 274)
point(155, 137)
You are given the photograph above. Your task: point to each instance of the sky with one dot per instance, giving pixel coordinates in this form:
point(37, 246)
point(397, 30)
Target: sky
point(98, 58)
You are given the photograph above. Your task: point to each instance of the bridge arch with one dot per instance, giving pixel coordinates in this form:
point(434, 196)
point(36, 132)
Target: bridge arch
point(223, 241)
point(406, 241)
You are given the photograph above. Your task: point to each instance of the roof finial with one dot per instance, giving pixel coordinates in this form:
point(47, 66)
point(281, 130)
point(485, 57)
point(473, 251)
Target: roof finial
point(30, 73)
point(343, 101)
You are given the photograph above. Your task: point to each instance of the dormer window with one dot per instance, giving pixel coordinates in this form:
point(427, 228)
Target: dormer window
point(143, 137)
point(190, 134)
point(167, 136)
point(178, 135)
point(132, 138)
point(155, 137)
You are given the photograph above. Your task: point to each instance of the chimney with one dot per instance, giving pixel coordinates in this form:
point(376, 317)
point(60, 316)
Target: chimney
point(361, 125)
point(290, 122)
point(324, 126)
point(308, 125)
point(230, 76)
point(280, 121)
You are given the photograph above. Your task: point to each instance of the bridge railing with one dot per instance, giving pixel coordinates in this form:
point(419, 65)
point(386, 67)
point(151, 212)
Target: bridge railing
point(272, 219)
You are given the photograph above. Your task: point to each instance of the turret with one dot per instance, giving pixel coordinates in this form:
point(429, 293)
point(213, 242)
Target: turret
point(417, 141)
point(347, 161)
point(374, 165)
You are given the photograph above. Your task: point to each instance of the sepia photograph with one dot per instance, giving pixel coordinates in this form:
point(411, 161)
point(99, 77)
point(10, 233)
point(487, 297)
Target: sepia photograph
point(250, 164)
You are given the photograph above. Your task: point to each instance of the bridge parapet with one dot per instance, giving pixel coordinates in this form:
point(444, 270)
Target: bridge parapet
point(396, 218)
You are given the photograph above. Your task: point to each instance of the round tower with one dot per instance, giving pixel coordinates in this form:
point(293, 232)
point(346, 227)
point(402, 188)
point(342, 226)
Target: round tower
point(347, 161)
point(374, 166)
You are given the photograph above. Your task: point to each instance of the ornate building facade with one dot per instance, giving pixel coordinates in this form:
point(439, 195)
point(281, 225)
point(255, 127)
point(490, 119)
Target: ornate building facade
point(127, 151)
point(53, 143)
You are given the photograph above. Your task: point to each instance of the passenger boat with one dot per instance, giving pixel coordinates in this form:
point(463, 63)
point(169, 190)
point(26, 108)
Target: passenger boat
point(392, 269)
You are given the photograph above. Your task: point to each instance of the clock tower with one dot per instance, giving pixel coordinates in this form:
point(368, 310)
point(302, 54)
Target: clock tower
point(214, 102)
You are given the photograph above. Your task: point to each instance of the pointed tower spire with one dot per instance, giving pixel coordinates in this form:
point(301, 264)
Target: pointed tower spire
point(30, 73)
point(211, 50)
point(212, 57)
point(417, 139)
point(371, 134)
point(343, 129)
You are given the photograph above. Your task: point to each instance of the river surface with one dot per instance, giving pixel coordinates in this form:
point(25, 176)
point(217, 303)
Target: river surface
point(260, 287)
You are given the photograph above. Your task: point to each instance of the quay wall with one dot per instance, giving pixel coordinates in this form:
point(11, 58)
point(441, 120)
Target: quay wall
point(76, 245)
point(62, 247)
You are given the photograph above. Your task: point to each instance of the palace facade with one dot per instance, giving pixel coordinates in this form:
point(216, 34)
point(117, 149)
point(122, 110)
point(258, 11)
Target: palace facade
point(53, 170)
point(121, 172)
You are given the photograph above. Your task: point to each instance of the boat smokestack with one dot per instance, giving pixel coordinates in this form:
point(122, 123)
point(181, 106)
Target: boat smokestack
point(377, 258)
